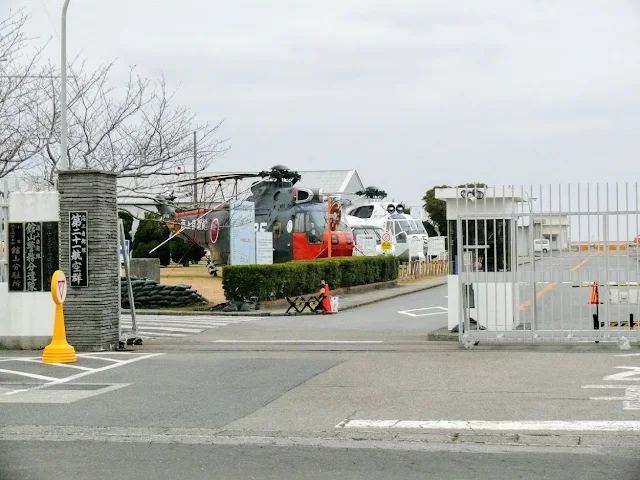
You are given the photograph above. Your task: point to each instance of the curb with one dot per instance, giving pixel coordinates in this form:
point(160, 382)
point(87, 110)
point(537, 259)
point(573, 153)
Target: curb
point(262, 313)
point(442, 335)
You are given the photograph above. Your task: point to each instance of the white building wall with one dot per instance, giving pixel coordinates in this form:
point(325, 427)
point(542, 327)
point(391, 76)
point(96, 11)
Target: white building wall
point(28, 323)
point(498, 201)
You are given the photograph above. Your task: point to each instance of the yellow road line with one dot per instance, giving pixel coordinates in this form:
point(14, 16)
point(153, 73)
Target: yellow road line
point(548, 287)
point(538, 295)
point(580, 264)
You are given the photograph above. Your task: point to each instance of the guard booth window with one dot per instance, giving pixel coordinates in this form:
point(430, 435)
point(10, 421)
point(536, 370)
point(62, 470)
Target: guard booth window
point(486, 242)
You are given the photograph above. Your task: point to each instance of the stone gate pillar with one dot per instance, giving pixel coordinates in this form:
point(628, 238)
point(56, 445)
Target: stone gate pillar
point(89, 258)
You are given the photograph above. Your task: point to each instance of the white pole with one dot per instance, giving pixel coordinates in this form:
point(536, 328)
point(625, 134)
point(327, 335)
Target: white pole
point(195, 168)
point(64, 163)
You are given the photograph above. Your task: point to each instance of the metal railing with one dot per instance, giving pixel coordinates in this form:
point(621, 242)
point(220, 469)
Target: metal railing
point(517, 273)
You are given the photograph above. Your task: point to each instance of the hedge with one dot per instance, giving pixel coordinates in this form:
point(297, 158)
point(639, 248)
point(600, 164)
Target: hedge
point(280, 280)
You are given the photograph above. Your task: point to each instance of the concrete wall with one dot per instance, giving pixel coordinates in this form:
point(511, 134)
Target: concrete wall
point(27, 322)
point(498, 201)
point(523, 241)
point(145, 267)
point(92, 313)
point(4, 308)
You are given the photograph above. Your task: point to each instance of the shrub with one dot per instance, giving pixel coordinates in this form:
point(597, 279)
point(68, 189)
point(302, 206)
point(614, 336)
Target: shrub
point(269, 282)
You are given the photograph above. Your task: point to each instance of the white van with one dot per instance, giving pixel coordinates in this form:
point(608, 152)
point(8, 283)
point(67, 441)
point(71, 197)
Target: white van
point(541, 245)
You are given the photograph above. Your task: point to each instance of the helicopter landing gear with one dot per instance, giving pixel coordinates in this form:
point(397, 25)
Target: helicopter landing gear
point(212, 269)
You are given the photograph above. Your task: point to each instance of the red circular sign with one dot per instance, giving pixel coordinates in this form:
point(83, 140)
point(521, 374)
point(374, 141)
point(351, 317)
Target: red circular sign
point(214, 230)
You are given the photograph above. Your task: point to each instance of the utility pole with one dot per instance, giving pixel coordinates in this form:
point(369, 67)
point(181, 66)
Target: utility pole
point(195, 168)
point(65, 163)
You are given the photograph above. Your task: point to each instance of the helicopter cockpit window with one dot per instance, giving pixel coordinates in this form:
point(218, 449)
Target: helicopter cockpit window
point(363, 212)
point(407, 225)
point(316, 225)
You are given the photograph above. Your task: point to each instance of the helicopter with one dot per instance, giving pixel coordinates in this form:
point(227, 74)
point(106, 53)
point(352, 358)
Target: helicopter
point(370, 211)
point(306, 224)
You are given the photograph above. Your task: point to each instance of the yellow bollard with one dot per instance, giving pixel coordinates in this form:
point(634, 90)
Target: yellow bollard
point(59, 351)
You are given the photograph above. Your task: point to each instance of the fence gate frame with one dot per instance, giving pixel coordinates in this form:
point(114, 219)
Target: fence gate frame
point(516, 287)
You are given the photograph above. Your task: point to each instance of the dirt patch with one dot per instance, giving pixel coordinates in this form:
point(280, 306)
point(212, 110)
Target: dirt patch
point(198, 278)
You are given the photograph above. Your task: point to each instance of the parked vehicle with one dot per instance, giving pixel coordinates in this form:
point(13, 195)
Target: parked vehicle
point(541, 245)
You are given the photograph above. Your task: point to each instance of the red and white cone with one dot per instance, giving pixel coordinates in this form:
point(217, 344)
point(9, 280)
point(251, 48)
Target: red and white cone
point(326, 301)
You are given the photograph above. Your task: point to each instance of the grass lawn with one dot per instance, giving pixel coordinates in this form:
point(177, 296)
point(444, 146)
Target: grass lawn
point(199, 279)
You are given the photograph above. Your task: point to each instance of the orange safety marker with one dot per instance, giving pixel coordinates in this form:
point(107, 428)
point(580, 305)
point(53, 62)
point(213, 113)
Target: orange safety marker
point(326, 301)
point(595, 296)
point(59, 351)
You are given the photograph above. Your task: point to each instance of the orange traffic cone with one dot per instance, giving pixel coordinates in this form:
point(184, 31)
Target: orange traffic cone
point(326, 301)
point(595, 296)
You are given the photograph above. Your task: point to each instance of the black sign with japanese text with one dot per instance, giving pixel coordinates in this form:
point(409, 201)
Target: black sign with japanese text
point(16, 257)
point(33, 256)
point(50, 252)
point(78, 251)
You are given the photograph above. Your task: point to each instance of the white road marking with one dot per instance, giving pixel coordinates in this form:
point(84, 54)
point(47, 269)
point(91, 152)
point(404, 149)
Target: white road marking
point(627, 376)
point(95, 357)
point(180, 325)
point(144, 333)
point(559, 425)
point(29, 375)
point(77, 367)
point(603, 386)
point(631, 399)
point(87, 371)
point(174, 329)
point(442, 310)
point(16, 391)
point(300, 341)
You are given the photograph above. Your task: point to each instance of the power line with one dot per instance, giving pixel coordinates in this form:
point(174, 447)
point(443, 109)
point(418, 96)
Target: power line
point(50, 20)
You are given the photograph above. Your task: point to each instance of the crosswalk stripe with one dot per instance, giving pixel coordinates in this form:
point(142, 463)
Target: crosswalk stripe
point(160, 334)
point(179, 325)
point(174, 329)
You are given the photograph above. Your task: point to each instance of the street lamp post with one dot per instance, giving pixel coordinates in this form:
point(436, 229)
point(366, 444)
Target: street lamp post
point(64, 164)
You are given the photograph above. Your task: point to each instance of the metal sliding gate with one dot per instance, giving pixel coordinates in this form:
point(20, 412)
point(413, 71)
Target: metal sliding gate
point(545, 264)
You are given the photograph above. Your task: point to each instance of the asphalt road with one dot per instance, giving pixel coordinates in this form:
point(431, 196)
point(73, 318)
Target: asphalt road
point(381, 322)
point(562, 304)
point(360, 394)
point(64, 460)
point(291, 414)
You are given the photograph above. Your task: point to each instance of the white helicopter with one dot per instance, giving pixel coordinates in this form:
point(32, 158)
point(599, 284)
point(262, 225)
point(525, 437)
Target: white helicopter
point(369, 211)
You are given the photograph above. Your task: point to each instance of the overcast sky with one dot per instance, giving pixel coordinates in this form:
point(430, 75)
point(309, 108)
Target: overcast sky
point(409, 93)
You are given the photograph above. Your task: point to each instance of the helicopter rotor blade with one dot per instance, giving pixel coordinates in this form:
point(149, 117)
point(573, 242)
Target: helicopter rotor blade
point(212, 178)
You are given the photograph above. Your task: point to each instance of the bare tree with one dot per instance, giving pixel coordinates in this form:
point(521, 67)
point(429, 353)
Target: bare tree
point(133, 130)
point(21, 98)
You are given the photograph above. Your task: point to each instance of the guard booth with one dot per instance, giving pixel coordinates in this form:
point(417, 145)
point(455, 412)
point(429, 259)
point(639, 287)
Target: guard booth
point(483, 258)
